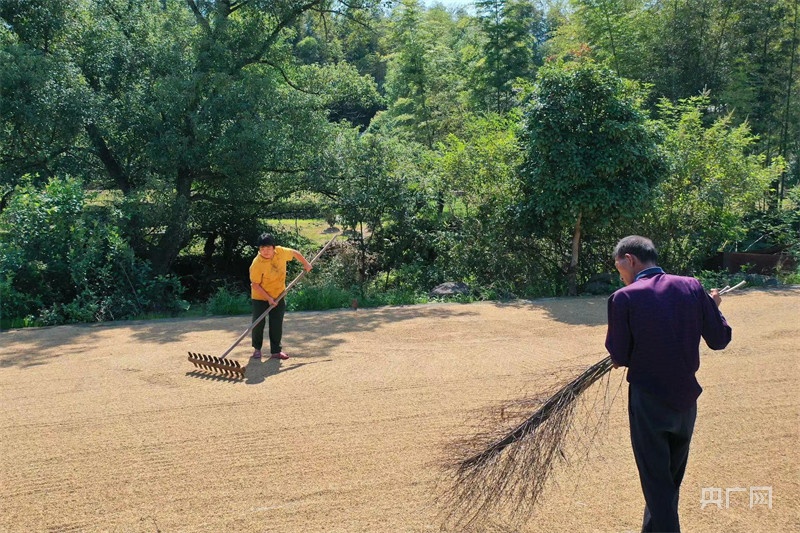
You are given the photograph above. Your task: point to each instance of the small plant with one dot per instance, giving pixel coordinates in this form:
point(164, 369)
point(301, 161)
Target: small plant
point(716, 280)
point(225, 302)
point(318, 298)
point(790, 278)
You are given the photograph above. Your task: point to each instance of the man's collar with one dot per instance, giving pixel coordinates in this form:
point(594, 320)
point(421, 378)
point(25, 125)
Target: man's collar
point(652, 271)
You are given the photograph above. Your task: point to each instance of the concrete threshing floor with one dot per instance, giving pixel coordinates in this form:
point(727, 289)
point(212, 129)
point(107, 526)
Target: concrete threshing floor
point(109, 428)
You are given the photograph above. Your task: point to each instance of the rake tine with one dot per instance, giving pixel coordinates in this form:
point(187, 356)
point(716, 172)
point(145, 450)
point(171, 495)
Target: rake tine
point(230, 368)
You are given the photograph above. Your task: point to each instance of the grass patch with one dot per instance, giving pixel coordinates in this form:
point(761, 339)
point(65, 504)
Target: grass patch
point(312, 229)
point(790, 278)
point(324, 297)
point(318, 298)
point(17, 323)
point(719, 280)
point(225, 302)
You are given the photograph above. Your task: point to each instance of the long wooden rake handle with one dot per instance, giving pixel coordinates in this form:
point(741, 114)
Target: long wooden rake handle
point(278, 299)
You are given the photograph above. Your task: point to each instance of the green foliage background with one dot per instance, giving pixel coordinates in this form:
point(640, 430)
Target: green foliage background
point(144, 145)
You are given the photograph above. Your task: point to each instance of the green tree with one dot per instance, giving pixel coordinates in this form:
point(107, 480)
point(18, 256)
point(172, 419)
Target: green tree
point(376, 192)
point(591, 156)
point(425, 88)
point(513, 30)
point(43, 100)
point(764, 79)
point(715, 185)
point(479, 169)
point(362, 38)
point(408, 84)
point(191, 107)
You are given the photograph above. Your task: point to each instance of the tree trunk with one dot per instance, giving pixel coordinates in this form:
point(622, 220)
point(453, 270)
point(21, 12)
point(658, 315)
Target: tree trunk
point(572, 272)
point(176, 235)
point(210, 247)
point(610, 30)
point(107, 157)
point(787, 108)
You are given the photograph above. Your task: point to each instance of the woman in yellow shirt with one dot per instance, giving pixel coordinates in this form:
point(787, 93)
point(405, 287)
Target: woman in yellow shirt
point(267, 282)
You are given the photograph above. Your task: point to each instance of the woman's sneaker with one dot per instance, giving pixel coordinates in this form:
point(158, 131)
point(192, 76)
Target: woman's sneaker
point(279, 355)
point(256, 355)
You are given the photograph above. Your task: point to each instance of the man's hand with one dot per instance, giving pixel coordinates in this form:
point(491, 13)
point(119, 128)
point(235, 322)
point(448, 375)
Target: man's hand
point(715, 296)
point(307, 266)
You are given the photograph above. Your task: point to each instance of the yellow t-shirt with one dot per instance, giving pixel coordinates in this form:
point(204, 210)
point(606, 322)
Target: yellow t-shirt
point(270, 273)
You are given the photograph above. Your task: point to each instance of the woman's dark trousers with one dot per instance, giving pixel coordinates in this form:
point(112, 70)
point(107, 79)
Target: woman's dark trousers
point(275, 320)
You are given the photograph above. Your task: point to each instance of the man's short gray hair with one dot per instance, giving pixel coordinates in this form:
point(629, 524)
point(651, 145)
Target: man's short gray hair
point(641, 247)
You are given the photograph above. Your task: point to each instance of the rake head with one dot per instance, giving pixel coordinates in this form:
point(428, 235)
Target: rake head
point(228, 367)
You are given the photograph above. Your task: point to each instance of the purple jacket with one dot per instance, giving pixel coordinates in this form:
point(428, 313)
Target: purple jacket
point(654, 328)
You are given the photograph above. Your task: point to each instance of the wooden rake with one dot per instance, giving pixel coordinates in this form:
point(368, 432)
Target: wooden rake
point(229, 367)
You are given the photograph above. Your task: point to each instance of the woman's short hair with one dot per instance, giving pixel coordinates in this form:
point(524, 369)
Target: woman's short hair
point(266, 239)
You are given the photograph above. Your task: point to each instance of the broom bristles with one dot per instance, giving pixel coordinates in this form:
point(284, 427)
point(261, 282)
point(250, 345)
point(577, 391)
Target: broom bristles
point(508, 473)
point(566, 395)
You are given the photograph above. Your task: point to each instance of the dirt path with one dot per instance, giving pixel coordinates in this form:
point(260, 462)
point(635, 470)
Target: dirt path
point(109, 428)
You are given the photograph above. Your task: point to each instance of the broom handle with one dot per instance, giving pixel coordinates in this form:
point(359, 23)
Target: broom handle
point(729, 289)
point(278, 299)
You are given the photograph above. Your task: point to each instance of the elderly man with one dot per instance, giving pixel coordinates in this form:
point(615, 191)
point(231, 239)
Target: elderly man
point(655, 324)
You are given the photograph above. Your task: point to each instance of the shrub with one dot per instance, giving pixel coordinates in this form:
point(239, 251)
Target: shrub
point(226, 302)
point(318, 298)
point(67, 261)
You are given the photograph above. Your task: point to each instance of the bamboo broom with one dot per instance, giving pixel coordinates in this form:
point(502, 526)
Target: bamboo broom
point(509, 471)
